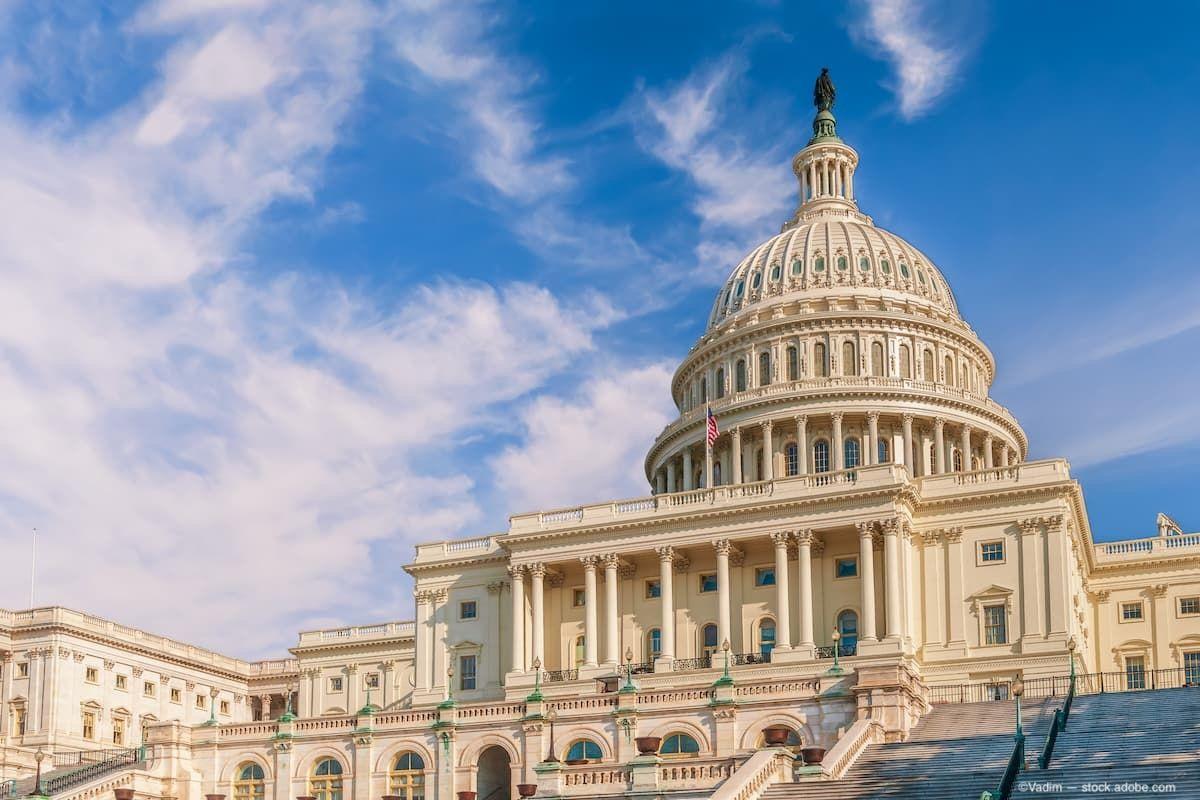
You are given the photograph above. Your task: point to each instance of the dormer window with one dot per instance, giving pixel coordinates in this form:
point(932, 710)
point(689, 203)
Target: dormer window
point(756, 281)
point(797, 266)
point(864, 264)
point(776, 272)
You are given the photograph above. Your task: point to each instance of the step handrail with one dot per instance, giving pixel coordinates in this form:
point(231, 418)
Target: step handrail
point(95, 769)
point(1016, 762)
point(1051, 738)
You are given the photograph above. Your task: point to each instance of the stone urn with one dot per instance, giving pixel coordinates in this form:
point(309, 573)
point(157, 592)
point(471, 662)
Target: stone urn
point(648, 745)
point(123, 793)
point(776, 735)
point(812, 755)
point(526, 789)
point(466, 795)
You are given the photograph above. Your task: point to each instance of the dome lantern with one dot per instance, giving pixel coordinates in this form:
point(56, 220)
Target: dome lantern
point(825, 167)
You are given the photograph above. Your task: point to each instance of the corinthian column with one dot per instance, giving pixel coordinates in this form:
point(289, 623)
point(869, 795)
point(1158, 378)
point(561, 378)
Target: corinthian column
point(966, 448)
point(802, 444)
point(783, 630)
point(424, 642)
point(736, 447)
point(866, 579)
point(939, 445)
point(723, 627)
point(872, 454)
point(612, 626)
point(768, 452)
point(537, 577)
point(891, 567)
point(688, 482)
point(666, 566)
point(907, 421)
point(590, 615)
point(804, 566)
point(517, 574)
point(838, 449)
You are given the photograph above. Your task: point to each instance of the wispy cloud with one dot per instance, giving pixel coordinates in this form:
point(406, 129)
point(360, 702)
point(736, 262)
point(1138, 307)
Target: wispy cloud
point(924, 53)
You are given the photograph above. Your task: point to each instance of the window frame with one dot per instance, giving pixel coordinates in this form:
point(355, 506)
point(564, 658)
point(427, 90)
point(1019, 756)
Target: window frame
point(985, 610)
point(1125, 605)
point(682, 752)
point(335, 684)
point(981, 557)
point(91, 675)
point(652, 589)
point(464, 606)
point(121, 682)
point(1179, 601)
point(704, 576)
point(838, 561)
point(760, 574)
point(466, 675)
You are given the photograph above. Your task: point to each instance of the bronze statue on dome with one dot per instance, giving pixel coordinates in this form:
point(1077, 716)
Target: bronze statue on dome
point(824, 92)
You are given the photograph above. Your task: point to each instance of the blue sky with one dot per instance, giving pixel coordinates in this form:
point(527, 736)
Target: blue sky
point(288, 287)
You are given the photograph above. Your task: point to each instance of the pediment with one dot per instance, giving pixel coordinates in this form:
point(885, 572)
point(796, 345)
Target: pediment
point(991, 592)
point(466, 645)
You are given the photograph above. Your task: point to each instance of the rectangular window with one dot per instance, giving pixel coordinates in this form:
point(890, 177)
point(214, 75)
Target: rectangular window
point(994, 625)
point(1135, 672)
point(176, 695)
point(653, 589)
point(201, 701)
point(91, 675)
point(466, 672)
point(23, 669)
point(224, 707)
point(1131, 612)
point(1189, 606)
point(335, 684)
point(118, 737)
point(122, 682)
point(18, 722)
point(148, 689)
point(578, 598)
point(89, 725)
point(991, 552)
point(468, 609)
point(371, 681)
point(1191, 668)
point(845, 568)
point(764, 576)
point(708, 583)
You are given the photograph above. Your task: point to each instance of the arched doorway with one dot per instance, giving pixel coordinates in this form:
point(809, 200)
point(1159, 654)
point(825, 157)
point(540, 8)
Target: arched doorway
point(494, 781)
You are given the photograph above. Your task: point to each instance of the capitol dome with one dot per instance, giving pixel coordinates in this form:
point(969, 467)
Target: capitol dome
point(832, 346)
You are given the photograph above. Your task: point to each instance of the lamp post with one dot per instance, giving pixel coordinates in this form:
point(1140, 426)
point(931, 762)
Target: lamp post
point(537, 681)
point(212, 708)
point(449, 685)
point(628, 687)
point(1018, 689)
point(837, 638)
point(287, 715)
point(37, 781)
point(725, 648)
point(1071, 645)
point(551, 716)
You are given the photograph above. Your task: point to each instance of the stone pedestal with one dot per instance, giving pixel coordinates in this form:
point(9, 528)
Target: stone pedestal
point(644, 775)
point(549, 779)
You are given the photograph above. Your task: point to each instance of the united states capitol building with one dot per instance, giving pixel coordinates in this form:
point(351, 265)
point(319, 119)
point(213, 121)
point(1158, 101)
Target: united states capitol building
point(863, 541)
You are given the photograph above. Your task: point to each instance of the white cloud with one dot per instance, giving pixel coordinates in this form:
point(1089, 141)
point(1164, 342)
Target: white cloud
point(203, 443)
point(926, 58)
point(590, 446)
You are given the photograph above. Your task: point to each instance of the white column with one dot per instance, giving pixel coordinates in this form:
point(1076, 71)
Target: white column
point(537, 581)
point(590, 611)
point(424, 642)
point(838, 447)
point(939, 446)
point(802, 444)
point(988, 458)
point(736, 436)
point(671, 475)
point(954, 586)
point(866, 579)
point(724, 632)
point(891, 571)
point(768, 451)
point(612, 628)
point(688, 482)
point(517, 574)
point(1032, 580)
point(872, 438)
point(804, 566)
point(907, 421)
point(783, 605)
point(849, 183)
point(1004, 454)
point(966, 448)
point(666, 565)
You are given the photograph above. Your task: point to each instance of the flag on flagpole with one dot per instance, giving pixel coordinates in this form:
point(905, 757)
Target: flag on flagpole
point(713, 433)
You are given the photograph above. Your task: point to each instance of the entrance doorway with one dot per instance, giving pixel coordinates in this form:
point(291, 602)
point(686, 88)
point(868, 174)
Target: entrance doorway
point(494, 781)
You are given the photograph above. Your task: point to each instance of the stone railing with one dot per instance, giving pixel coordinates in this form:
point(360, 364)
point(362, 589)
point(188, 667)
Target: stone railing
point(381, 630)
point(491, 711)
point(1154, 547)
point(730, 494)
point(404, 718)
point(249, 730)
point(434, 551)
point(763, 769)
point(689, 773)
point(1028, 472)
point(276, 666)
point(842, 755)
point(597, 779)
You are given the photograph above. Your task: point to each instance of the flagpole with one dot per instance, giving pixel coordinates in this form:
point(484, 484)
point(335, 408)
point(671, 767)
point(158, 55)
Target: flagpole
point(708, 451)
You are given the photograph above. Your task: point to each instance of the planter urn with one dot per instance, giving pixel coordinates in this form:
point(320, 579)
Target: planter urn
point(776, 735)
point(123, 793)
point(648, 745)
point(812, 755)
point(466, 795)
point(526, 789)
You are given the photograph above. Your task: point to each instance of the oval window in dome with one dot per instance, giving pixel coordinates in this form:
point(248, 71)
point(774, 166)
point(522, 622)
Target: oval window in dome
point(903, 269)
point(756, 281)
point(776, 272)
point(842, 263)
point(885, 267)
point(820, 265)
point(864, 264)
point(741, 287)
point(797, 266)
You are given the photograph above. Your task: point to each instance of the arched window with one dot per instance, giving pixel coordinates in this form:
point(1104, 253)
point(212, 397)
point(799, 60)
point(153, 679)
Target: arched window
point(849, 362)
point(708, 642)
point(580, 649)
point(791, 459)
point(821, 456)
point(764, 368)
point(819, 264)
point(842, 264)
point(883, 451)
point(653, 643)
point(877, 360)
point(325, 783)
point(704, 390)
point(740, 375)
point(949, 371)
point(679, 744)
point(852, 452)
point(249, 782)
point(964, 381)
point(793, 363)
point(720, 383)
point(847, 625)
point(821, 360)
point(957, 460)
point(927, 367)
point(776, 272)
point(766, 638)
point(864, 264)
point(584, 750)
point(905, 365)
point(407, 778)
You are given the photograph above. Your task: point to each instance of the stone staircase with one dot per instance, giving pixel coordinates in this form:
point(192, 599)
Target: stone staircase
point(955, 753)
point(1150, 737)
point(88, 767)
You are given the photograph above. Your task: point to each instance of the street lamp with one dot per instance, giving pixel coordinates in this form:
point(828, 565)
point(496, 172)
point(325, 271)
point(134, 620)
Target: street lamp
point(725, 648)
point(1071, 645)
point(1018, 689)
point(450, 683)
point(537, 681)
point(628, 687)
point(37, 781)
point(551, 716)
point(837, 638)
point(288, 716)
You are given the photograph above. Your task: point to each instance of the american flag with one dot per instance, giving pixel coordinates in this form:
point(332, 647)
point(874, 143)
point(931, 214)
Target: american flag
point(713, 433)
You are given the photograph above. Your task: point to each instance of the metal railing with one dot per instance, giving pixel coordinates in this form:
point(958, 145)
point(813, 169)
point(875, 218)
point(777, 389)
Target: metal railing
point(8, 788)
point(690, 664)
point(90, 769)
point(1016, 762)
point(1061, 686)
point(843, 651)
point(1060, 724)
point(561, 675)
point(742, 659)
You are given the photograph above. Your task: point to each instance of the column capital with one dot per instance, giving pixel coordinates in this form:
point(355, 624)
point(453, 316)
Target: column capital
point(988, 438)
point(873, 416)
point(906, 419)
point(952, 535)
point(767, 424)
point(837, 417)
point(589, 562)
point(939, 423)
point(865, 529)
point(611, 561)
point(537, 570)
point(666, 553)
point(722, 547)
point(802, 419)
point(805, 537)
point(781, 538)
point(516, 571)
point(496, 587)
point(423, 597)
